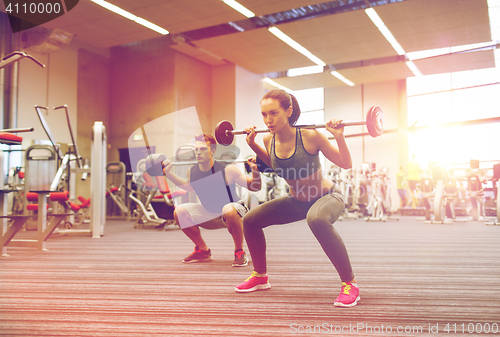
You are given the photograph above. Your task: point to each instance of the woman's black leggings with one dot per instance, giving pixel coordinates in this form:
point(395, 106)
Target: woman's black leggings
point(320, 214)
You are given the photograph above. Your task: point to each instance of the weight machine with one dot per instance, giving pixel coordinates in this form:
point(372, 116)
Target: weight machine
point(445, 196)
point(495, 179)
point(17, 56)
point(115, 191)
point(63, 177)
point(381, 201)
point(346, 181)
point(145, 213)
point(9, 231)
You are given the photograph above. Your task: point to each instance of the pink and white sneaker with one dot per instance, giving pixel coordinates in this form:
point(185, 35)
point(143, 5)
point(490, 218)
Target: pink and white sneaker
point(349, 295)
point(253, 283)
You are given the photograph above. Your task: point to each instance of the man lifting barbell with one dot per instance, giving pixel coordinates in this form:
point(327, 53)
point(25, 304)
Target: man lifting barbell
point(214, 183)
point(293, 152)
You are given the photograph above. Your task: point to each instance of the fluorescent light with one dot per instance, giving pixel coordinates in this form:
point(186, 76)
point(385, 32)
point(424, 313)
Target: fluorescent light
point(292, 43)
point(416, 55)
point(277, 85)
point(421, 54)
point(342, 78)
point(413, 68)
point(392, 40)
point(151, 26)
point(130, 16)
point(304, 71)
point(384, 30)
point(240, 8)
point(472, 46)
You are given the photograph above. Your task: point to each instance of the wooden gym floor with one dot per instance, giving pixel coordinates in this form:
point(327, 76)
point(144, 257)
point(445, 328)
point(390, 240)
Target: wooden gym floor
point(415, 278)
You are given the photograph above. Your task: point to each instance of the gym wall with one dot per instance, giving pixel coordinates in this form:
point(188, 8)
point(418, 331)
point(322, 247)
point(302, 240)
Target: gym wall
point(150, 80)
point(249, 92)
point(71, 77)
point(93, 104)
point(223, 94)
point(52, 86)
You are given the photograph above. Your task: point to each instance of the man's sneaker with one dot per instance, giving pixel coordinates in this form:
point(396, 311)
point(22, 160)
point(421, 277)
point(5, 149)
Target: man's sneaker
point(198, 256)
point(349, 295)
point(253, 283)
point(240, 259)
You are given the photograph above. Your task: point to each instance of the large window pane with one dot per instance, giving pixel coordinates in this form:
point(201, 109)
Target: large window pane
point(465, 79)
point(427, 84)
point(311, 99)
point(456, 145)
point(476, 103)
point(470, 96)
point(430, 109)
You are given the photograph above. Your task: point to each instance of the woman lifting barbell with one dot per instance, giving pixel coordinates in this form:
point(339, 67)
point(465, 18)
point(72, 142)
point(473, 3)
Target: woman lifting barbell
point(293, 154)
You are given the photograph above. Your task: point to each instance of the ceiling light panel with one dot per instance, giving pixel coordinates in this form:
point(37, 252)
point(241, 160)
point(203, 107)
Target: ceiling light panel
point(276, 85)
point(430, 24)
point(295, 45)
point(130, 16)
point(239, 8)
point(340, 38)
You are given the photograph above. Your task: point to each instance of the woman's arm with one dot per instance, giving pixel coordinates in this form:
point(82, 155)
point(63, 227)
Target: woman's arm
point(340, 156)
point(261, 152)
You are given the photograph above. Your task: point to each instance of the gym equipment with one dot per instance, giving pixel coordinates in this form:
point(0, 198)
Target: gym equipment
point(154, 163)
point(98, 183)
point(8, 232)
point(145, 213)
point(97, 171)
point(17, 130)
point(346, 181)
point(496, 181)
point(67, 157)
point(16, 56)
point(224, 131)
point(77, 155)
point(445, 196)
point(476, 192)
point(116, 179)
point(40, 167)
point(381, 197)
point(426, 189)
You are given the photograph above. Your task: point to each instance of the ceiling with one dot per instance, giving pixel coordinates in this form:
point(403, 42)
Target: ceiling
point(342, 35)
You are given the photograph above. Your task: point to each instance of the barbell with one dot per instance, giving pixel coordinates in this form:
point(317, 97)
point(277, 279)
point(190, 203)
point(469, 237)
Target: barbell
point(154, 163)
point(224, 131)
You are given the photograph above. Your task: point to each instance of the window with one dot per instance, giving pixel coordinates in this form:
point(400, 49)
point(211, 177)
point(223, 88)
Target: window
point(462, 101)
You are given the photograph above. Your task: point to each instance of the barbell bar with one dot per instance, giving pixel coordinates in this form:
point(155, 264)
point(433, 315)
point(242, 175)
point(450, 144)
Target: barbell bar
point(154, 163)
point(18, 130)
point(224, 131)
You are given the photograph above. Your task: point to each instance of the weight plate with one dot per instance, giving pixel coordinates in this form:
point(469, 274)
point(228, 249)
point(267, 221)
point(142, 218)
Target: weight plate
point(375, 121)
point(153, 164)
point(222, 134)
